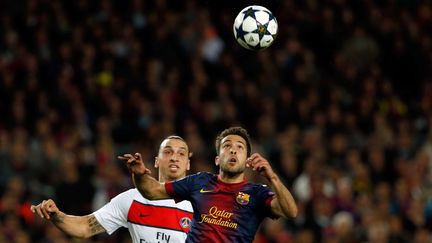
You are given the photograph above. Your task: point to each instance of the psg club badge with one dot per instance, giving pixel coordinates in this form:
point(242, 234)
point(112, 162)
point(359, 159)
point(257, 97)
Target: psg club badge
point(242, 198)
point(185, 222)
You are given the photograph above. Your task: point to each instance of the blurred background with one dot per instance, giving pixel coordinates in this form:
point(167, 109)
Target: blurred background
point(340, 104)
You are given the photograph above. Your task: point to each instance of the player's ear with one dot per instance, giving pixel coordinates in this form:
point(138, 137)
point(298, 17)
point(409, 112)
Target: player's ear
point(188, 161)
point(156, 164)
point(217, 160)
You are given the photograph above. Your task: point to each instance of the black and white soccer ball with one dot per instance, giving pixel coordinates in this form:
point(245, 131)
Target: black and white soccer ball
point(255, 27)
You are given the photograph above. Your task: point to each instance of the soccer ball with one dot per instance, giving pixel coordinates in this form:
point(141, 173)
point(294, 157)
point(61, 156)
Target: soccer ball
point(255, 27)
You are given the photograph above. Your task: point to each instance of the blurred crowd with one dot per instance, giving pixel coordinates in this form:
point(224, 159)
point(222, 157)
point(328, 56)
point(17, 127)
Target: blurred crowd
point(340, 104)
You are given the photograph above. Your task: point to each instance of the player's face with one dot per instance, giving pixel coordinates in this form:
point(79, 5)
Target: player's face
point(172, 160)
point(232, 155)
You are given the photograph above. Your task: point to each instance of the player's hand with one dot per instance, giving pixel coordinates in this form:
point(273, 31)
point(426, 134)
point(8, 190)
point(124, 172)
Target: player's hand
point(135, 164)
point(45, 209)
point(260, 164)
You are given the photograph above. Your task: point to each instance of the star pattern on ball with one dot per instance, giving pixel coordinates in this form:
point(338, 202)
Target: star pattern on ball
point(262, 29)
point(240, 33)
point(250, 12)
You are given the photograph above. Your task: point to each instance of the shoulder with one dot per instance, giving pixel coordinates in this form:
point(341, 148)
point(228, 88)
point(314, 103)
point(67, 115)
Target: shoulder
point(133, 192)
point(193, 182)
point(126, 194)
point(255, 185)
point(199, 176)
point(129, 196)
point(205, 174)
point(205, 177)
point(258, 187)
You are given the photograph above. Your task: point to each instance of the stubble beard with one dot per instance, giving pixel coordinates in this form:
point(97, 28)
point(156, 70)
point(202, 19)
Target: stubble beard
point(232, 172)
point(173, 176)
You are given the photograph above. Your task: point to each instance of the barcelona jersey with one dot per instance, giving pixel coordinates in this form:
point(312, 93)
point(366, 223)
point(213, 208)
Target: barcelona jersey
point(222, 212)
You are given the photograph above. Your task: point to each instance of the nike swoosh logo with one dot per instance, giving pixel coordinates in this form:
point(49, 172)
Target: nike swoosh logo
point(205, 191)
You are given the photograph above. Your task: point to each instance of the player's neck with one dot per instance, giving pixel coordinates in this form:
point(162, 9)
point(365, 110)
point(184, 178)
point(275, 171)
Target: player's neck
point(231, 179)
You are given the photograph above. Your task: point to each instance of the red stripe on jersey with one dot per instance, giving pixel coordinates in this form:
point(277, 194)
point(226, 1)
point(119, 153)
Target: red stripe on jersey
point(169, 188)
point(160, 217)
point(269, 201)
point(268, 204)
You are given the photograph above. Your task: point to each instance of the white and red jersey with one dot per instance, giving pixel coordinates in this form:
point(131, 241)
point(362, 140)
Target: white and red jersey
point(147, 221)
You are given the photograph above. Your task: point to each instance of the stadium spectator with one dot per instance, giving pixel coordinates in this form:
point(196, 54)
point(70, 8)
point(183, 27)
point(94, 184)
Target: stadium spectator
point(98, 78)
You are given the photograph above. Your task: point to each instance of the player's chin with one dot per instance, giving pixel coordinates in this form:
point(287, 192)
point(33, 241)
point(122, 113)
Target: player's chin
point(234, 169)
point(175, 173)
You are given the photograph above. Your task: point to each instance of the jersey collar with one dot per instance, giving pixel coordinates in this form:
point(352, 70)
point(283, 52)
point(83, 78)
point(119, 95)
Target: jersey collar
point(244, 181)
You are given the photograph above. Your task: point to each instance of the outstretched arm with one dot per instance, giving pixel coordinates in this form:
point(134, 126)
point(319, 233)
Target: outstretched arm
point(284, 204)
point(148, 186)
point(76, 226)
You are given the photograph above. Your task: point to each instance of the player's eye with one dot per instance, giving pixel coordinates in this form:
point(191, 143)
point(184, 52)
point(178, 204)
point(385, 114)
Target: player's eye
point(167, 151)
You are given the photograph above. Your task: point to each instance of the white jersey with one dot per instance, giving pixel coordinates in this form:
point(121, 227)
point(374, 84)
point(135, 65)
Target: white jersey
point(147, 221)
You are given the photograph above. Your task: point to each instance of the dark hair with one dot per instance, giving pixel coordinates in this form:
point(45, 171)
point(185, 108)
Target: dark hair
point(234, 131)
point(180, 138)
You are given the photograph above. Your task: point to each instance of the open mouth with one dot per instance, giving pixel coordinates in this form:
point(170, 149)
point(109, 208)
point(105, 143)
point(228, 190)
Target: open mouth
point(173, 167)
point(233, 160)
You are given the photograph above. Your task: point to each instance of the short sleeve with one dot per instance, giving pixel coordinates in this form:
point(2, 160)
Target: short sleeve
point(113, 215)
point(265, 197)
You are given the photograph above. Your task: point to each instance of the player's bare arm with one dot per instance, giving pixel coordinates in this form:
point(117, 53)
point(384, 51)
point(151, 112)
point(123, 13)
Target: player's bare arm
point(76, 226)
point(147, 185)
point(284, 204)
